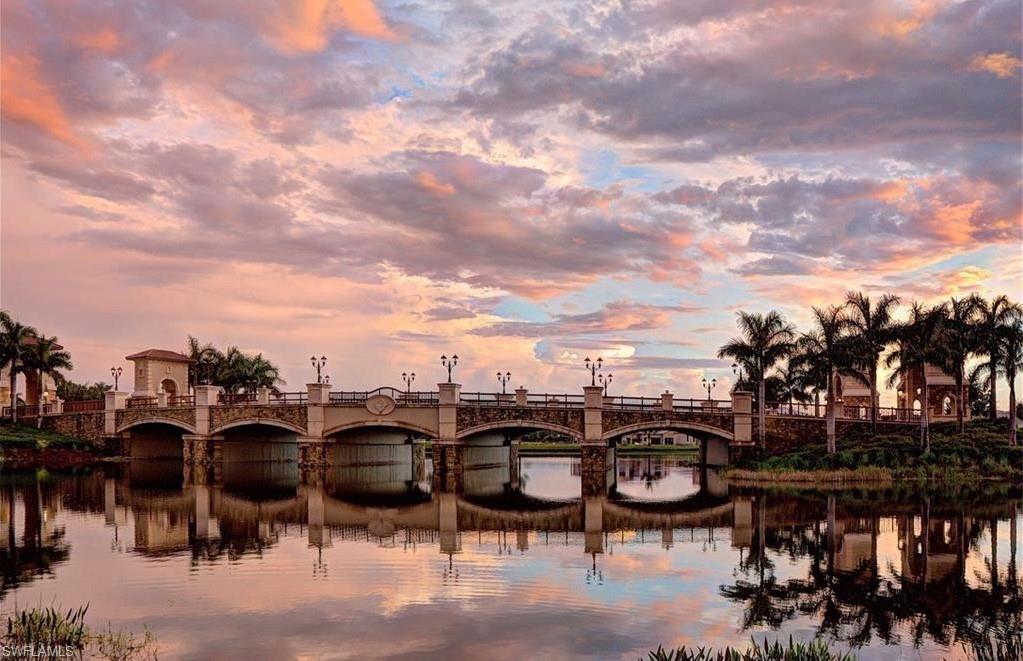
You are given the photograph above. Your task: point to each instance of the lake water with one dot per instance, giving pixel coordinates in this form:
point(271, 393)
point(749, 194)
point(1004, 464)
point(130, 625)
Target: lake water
point(262, 562)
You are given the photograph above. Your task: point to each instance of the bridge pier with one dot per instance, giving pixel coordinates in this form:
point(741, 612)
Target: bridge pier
point(202, 449)
point(594, 448)
point(448, 450)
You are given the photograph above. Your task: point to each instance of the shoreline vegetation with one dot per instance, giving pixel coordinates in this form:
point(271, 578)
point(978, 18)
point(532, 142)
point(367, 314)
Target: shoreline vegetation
point(49, 632)
point(978, 453)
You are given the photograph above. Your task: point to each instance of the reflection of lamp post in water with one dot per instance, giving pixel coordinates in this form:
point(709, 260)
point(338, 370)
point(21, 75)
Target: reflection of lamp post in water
point(319, 567)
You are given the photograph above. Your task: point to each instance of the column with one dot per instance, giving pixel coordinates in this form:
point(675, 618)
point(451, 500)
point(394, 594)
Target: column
point(667, 402)
point(313, 448)
point(448, 452)
point(593, 449)
point(742, 423)
point(521, 397)
point(113, 401)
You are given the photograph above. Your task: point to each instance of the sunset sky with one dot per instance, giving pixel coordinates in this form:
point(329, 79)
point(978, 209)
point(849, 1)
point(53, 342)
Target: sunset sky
point(521, 183)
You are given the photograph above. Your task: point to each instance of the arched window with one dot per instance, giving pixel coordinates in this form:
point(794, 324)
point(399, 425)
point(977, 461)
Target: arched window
point(169, 387)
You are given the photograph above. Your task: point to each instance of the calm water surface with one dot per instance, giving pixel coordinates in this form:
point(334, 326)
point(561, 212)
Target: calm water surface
point(259, 562)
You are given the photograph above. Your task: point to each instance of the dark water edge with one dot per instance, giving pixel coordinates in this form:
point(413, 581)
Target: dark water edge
point(370, 561)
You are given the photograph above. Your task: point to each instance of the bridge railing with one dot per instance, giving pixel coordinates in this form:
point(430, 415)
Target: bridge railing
point(816, 410)
point(181, 400)
point(27, 410)
point(142, 402)
point(83, 406)
point(487, 399)
point(554, 400)
point(801, 409)
point(632, 403)
point(230, 398)
point(691, 405)
point(400, 397)
point(283, 398)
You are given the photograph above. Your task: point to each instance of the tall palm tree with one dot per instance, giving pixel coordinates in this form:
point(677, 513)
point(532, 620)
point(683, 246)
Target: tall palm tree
point(960, 341)
point(764, 340)
point(994, 318)
point(47, 360)
point(919, 343)
point(261, 373)
point(1012, 348)
point(823, 353)
point(871, 330)
point(14, 338)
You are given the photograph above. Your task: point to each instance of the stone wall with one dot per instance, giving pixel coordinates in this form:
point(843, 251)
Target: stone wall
point(86, 426)
point(616, 418)
point(295, 415)
point(474, 416)
point(788, 433)
point(183, 414)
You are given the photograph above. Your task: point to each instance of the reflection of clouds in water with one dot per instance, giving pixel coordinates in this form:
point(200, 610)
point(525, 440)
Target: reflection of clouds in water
point(556, 478)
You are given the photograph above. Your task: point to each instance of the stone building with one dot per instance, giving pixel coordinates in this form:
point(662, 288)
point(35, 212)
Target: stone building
point(159, 370)
point(942, 395)
point(29, 380)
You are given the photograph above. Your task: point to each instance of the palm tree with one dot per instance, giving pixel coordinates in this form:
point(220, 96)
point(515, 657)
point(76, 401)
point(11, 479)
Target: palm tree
point(790, 384)
point(261, 373)
point(920, 342)
point(994, 318)
point(765, 339)
point(47, 360)
point(203, 357)
point(822, 354)
point(1012, 352)
point(872, 327)
point(960, 340)
point(14, 338)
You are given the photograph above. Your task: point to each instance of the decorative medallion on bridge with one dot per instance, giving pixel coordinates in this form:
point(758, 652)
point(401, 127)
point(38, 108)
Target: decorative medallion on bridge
point(380, 404)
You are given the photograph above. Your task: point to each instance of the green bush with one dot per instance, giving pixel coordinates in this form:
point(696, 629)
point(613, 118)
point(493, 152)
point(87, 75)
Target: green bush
point(817, 650)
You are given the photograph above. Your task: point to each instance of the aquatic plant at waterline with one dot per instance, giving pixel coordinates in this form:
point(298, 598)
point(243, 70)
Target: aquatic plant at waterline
point(816, 650)
point(50, 630)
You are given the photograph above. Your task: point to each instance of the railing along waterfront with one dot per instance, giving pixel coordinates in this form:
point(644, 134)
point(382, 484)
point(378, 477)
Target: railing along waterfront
point(818, 410)
point(83, 406)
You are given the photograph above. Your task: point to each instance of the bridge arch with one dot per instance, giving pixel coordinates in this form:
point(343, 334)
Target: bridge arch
point(671, 425)
point(532, 425)
point(260, 422)
point(384, 424)
point(157, 420)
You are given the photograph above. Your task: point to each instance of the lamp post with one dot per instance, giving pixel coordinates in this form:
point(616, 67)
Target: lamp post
point(504, 379)
point(206, 363)
point(318, 363)
point(708, 386)
point(593, 366)
point(408, 378)
point(737, 371)
point(449, 363)
point(116, 373)
point(605, 381)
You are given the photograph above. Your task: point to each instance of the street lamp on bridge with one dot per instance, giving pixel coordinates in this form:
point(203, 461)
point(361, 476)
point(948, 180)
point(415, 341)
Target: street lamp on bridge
point(449, 363)
point(408, 378)
point(737, 371)
point(504, 379)
point(593, 366)
point(318, 363)
point(116, 373)
point(605, 381)
point(709, 385)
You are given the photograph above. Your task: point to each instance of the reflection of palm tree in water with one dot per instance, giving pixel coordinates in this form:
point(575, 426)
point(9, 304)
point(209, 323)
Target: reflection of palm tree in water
point(856, 604)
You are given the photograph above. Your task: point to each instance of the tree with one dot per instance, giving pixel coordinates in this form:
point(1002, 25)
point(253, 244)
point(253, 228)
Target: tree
point(1012, 353)
point(14, 337)
point(764, 340)
point(919, 342)
point(994, 318)
point(69, 391)
point(871, 329)
point(978, 387)
point(204, 358)
point(960, 341)
point(44, 357)
point(823, 353)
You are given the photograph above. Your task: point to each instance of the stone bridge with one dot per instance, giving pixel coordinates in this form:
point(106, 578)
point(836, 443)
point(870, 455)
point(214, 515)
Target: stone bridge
point(321, 424)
